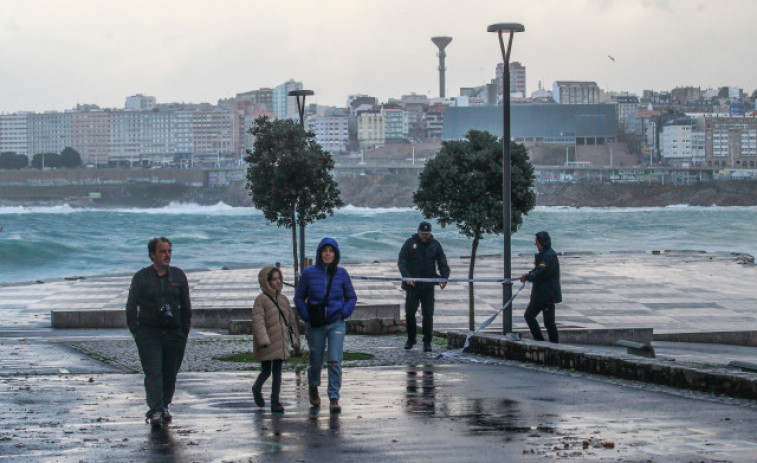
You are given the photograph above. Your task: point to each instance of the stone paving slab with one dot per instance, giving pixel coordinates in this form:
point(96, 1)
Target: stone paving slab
point(680, 292)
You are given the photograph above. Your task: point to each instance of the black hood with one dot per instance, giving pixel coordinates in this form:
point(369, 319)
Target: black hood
point(543, 238)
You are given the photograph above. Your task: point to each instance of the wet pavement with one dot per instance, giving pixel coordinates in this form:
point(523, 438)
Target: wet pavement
point(444, 413)
point(58, 404)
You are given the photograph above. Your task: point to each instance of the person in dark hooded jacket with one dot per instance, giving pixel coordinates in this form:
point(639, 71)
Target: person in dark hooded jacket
point(324, 298)
point(546, 291)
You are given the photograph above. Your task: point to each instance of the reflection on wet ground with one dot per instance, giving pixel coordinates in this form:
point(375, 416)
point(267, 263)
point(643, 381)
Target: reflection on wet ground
point(450, 413)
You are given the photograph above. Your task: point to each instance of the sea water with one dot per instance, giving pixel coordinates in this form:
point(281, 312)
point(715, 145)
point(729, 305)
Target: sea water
point(44, 243)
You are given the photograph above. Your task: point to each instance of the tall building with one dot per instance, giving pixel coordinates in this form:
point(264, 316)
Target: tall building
point(517, 79)
point(13, 136)
point(627, 107)
point(396, 123)
point(571, 92)
point(48, 132)
point(331, 130)
point(90, 135)
point(676, 142)
point(371, 129)
point(285, 106)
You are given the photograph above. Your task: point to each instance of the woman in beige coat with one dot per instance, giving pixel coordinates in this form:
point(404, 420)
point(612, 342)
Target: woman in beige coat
point(274, 330)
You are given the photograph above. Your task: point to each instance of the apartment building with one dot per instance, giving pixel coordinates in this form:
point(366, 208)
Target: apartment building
point(285, 106)
point(677, 143)
point(571, 92)
point(13, 136)
point(48, 132)
point(90, 134)
point(371, 129)
point(396, 123)
point(731, 142)
point(331, 130)
point(517, 79)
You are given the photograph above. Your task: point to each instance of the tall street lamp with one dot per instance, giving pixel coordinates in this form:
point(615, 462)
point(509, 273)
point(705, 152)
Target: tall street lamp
point(507, 286)
point(300, 95)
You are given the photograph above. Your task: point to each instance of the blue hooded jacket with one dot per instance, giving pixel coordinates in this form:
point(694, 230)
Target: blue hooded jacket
point(312, 287)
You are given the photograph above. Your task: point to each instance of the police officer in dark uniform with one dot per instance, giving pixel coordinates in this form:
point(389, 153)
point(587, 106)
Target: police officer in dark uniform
point(546, 290)
point(419, 257)
point(158, 313)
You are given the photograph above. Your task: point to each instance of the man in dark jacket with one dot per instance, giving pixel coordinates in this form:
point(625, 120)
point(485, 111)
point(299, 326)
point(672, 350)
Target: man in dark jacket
point(419, 258)
point(546, 291)
point(158, 313)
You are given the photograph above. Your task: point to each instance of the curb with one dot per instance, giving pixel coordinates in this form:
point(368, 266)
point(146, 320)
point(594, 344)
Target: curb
point(712, 380)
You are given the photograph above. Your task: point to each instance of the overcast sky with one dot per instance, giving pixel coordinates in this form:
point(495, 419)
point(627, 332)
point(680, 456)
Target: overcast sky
point(57, 53)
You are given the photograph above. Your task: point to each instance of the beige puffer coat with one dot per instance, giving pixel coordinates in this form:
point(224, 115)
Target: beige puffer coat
point(270, 335)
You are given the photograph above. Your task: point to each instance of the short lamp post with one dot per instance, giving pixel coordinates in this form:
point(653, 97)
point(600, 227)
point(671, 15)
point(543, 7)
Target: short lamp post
point(507, 286)
point(300, 95)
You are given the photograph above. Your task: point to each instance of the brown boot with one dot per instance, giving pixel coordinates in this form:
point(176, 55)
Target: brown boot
point(314, 399)
point(334, 406)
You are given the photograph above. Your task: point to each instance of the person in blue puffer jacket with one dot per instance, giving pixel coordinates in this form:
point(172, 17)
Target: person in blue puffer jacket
point(325, 277)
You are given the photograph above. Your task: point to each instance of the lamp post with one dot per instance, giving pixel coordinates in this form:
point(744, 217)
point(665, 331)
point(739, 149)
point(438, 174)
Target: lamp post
point(300, 95)
point(507, 287)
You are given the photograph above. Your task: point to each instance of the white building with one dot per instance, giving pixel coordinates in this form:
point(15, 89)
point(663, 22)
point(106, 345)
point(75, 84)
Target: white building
point(13, 133)
point(331, 130)
point(676, 143)
point(285, 106)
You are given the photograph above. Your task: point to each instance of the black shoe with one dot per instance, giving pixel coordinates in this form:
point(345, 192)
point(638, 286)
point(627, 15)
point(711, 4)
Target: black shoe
point(409, 344)
point(156, 419)
point(276, 407)
point(426, 346)
point(334, 406)
point(166, 415)
point(258, 396)
point(314, 399)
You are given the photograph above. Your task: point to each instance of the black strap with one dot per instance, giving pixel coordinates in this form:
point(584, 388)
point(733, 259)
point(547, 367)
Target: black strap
point(328, 290)
point(283, 318)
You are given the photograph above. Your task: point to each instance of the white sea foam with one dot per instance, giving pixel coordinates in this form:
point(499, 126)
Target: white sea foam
point(350, 209)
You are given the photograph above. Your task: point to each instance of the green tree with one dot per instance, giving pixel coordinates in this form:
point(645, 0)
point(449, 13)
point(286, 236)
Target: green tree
point(463, 185)
point(45, 160)
point(11, 160)
point(70, 158)
point(289, 179)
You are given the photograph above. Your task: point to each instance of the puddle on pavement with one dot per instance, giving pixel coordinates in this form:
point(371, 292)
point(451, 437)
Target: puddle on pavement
point(482, 416)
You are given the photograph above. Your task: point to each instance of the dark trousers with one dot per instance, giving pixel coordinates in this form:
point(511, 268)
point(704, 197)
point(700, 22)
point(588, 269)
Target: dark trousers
point(161, 353)
point(424, 296)
point(549, 321)
point(266, 368)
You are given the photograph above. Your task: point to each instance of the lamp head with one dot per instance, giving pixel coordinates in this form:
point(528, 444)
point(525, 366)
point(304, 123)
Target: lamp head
point(506, 27)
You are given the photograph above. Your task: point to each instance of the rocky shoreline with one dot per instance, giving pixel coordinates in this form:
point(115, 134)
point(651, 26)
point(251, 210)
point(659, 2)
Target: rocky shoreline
point(387, 191)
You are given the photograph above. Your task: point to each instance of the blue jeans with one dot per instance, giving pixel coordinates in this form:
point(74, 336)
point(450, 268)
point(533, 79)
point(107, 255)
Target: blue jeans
point(317, 337)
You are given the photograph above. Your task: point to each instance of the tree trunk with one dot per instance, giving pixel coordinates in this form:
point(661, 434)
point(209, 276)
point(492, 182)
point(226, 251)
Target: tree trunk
point(294, 249)
point(303, 259)
point(471, 301)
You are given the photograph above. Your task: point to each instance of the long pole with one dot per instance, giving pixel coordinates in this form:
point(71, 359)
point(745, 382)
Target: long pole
point(507, 287)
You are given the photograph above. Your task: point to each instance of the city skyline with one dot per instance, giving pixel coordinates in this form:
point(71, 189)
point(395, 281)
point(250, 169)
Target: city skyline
point(57, 55)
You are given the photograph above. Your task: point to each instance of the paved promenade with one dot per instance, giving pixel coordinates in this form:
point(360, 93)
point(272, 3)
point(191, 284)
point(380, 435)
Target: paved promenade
point(674, 292)
point(59, 404)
